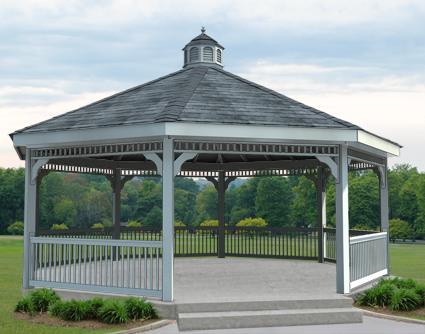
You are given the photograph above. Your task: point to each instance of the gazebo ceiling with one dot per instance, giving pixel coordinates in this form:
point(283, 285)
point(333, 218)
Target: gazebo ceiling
point(201, 101)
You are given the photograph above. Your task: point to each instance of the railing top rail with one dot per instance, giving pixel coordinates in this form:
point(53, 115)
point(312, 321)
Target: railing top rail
point(97, 242)
point(368, 237)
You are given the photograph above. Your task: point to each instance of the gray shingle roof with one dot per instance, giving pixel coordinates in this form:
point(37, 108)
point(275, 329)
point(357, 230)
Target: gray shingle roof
point(194, 94)
point(202, 38)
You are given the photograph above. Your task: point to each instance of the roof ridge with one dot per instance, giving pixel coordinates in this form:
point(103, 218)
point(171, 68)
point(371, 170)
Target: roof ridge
point(280, 95)
point(103, 99)
point(175, 107)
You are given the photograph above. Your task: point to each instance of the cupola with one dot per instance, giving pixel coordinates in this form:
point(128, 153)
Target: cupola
point(203, 50)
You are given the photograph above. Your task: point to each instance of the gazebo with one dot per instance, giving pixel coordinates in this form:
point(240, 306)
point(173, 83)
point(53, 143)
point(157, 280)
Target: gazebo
point(200, 121)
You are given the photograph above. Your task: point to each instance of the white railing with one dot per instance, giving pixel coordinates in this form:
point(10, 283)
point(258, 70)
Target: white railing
point(112, 266)
point(368, 258)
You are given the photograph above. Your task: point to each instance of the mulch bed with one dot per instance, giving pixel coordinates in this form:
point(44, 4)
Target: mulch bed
point(416, 314)
point(46, 319)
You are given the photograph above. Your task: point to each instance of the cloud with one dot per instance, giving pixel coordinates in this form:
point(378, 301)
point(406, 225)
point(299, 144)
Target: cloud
point(387, 105)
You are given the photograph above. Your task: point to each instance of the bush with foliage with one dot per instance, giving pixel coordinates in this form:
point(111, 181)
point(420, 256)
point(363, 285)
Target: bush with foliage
point(109, 311)
point(58, 227)
point(25, 305)
point(17, 228)
point(252, 222)
point(400, 229)
point(138, 309)
point(97, 226)
point(134, 223)
point(72, 310)
point(360, 227)
point(41, 299)
point(210, 223)
point(113, 312)
point(179, 223)
point(397, 294)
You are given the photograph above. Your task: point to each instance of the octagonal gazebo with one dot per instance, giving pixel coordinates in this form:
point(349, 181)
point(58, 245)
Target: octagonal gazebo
point(200, 121)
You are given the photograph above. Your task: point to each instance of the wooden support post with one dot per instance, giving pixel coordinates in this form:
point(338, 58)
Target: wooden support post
point(167, 220)
point(29, 218)
point(321, 212)
point(342, 224)
point(116, 204)
point(383, 197)
point(221, 190)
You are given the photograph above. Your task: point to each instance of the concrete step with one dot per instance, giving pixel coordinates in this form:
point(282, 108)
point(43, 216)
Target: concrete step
point(267, 318)
point(342, 302)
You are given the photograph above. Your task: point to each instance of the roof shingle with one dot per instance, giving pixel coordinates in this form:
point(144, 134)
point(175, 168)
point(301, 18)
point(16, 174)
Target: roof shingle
point(194, 94)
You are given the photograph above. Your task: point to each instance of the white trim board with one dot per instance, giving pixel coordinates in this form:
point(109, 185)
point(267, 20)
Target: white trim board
point(368, 279)
point(203, 131)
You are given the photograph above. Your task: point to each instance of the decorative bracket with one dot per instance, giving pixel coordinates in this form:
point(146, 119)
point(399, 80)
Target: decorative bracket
point(156, 160)
point(178, 163)
point(381, 171)
point(227, 181)
point(35, 168)
point(333, 166)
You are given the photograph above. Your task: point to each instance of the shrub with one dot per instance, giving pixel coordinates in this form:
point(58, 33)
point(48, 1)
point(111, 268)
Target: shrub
point(59, 227)
point(73, 310)
point(106, 222)
point(97, 226)
point(210, 223)
point(17, 228)
point(361, 227)
point(252, 222)
point(179, 223)
point(41, 299)
point(379, 295)
point(25, 305)
point(134, 223)
point(56, 308)
point(400, 229)
point(404, 300)
point(113, 312)
point(139, 309)
point(93, 307)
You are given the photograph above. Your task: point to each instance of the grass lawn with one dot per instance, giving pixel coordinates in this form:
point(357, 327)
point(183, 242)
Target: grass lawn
point(406, 260)
point(11, 252)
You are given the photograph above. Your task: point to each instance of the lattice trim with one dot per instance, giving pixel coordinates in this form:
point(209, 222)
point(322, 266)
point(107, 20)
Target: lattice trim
point(97, 150)
point(247, 148)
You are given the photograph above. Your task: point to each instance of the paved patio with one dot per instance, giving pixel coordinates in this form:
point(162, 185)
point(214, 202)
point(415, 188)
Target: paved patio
point(251, 279)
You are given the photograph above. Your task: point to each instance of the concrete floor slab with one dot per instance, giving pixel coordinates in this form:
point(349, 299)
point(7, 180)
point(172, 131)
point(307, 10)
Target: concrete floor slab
point(212, 279)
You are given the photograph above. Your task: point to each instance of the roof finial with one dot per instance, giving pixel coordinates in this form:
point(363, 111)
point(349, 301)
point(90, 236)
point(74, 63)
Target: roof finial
point(203, 29)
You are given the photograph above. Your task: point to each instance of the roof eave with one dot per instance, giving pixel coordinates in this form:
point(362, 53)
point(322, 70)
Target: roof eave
point(203, 131)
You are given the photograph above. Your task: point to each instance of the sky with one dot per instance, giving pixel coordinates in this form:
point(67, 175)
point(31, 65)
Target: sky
point(362, 61)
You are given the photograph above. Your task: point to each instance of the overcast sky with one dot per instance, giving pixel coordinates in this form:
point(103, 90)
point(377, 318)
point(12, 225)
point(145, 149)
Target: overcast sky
point(362, 61)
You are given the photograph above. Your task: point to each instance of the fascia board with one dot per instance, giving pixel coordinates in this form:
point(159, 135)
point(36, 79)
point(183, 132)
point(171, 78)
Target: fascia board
point(378, 143)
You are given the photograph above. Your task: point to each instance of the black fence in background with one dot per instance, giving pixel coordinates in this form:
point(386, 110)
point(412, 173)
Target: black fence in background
point(272, 242)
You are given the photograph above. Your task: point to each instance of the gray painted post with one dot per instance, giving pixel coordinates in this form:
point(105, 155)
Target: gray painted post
point(383, 196)
point(167, 219)
point(116, 204)
point(221, 191)
point(342, 224)
point(29, 217)
point(321, 218)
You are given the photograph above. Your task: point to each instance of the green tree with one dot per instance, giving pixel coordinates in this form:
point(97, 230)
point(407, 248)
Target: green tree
point(184, 206)
point(11, 197)
point(400, 229)
point(206, 204)
point(154, 217)
point(273, 200)
point(65, 212)
point(303, 208)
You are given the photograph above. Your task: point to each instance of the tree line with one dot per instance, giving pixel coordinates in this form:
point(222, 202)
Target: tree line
point(80, 201)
